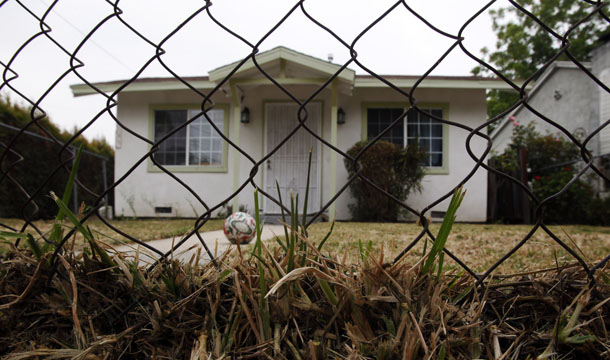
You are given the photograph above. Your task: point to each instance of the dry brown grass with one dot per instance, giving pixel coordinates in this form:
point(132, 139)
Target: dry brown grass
point(258, 308)
point(478, 245)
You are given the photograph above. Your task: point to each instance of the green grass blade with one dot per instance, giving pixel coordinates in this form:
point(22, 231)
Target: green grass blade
point(29, 241)
point(11, 235)
point(443, 233)
point(280, 243)
point(86, 231)
point(279, 196)
point(56, 232)
point(442, 352)
point(257, 249)
point(296, 214)
point(306, 193)
point(328, 291)
point(292, 237)
point(462, 295)
point(332, 226)
point(258, 253)
point(34, 246)
point(224, 275)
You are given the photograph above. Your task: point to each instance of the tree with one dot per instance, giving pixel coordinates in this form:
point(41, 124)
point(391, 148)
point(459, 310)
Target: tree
point(523, 45)
point(35, 160)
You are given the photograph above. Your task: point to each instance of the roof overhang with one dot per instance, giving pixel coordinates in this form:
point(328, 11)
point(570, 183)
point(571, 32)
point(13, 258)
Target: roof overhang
point(435, 82)
point(147, 84)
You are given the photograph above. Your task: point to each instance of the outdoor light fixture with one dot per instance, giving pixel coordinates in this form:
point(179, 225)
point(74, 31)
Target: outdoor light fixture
point(245, 115)
point(340, 116)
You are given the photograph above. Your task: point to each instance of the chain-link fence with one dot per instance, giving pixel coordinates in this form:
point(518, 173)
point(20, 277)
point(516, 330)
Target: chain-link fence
point(171, 126)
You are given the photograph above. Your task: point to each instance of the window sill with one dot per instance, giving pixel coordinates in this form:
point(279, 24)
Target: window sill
point(188, 169)
point(436, 171)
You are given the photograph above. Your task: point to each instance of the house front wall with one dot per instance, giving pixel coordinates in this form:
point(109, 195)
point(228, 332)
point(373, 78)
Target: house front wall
point(146, 188)
point(466, 107)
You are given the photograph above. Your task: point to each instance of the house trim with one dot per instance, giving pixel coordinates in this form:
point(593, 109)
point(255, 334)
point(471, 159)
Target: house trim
point(152, 168)
point(360, 81)
point(433, 82)
point(144, 84)
point(443, 170)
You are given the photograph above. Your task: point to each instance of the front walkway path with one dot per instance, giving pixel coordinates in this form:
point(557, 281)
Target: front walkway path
point(215, 240)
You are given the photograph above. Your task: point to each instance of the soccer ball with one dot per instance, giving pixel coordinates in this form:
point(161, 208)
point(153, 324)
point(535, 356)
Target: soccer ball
point(240, 228)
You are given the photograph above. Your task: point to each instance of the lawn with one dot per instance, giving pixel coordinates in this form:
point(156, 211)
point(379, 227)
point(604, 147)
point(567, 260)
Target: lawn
point(142, 229)
point(478, 245)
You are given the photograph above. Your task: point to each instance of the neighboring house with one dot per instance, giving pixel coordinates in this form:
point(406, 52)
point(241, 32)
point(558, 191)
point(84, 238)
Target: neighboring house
point(568, 96)
point(352, 108)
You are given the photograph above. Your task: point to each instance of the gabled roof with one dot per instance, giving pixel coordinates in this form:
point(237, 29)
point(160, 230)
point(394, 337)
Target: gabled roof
point(281, 62)
point(326, 67)
point(554, 67)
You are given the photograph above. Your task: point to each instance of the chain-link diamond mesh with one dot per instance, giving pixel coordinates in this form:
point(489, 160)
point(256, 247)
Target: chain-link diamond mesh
point(65, 152)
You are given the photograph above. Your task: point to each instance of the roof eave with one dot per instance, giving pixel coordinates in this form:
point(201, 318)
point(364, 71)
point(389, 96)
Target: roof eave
point(436, 83)
point(160, 85)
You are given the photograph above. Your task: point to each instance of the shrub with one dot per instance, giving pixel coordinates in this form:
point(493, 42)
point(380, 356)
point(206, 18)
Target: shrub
point(396, 170)
point(546, 157)
point(599, 212)
point(569, 207)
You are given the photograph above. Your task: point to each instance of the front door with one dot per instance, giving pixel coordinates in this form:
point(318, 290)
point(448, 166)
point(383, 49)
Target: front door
point(289, 164)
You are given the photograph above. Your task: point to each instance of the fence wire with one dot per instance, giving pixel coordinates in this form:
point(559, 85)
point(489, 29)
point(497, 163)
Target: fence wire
point(10, 157)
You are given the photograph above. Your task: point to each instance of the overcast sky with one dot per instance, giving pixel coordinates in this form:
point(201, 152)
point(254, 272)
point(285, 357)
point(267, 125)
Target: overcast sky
point(400, 44)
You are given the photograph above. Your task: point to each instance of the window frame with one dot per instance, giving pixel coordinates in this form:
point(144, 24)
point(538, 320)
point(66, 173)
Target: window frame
point(430, 170)
point(186, 168)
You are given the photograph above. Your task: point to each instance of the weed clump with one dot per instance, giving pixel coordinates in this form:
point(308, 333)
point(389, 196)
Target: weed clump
point(293, 301)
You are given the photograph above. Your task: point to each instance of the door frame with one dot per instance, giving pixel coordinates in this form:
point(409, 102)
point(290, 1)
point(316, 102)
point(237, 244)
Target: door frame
point(319, 156)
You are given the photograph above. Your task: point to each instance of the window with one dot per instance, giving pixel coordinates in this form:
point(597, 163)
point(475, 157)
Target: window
point(415, 127)
point(195, 145)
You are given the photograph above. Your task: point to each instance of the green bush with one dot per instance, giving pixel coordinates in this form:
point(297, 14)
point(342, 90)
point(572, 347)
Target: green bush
point(546, 158)
point(599, 212)
point(569, 207)
point(396, 170)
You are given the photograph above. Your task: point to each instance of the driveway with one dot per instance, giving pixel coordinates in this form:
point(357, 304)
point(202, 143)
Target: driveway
point(215, 240)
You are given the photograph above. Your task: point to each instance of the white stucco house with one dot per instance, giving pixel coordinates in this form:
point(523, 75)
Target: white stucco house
point(565, 94)
point(257, 115)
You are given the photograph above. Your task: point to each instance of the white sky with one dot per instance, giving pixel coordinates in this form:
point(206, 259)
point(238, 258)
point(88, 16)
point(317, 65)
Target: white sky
point(400, 44)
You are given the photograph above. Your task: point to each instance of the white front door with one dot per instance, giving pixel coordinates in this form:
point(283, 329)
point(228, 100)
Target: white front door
point(289, 164)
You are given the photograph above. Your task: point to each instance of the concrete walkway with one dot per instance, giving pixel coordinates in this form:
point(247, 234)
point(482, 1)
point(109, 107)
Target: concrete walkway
point(215, 240)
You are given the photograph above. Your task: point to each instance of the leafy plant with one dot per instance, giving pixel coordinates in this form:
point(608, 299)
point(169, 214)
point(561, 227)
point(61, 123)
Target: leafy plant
point(396, 170)
point(551, 161)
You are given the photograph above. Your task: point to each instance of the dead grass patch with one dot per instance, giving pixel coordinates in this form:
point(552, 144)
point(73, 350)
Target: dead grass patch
point(478, 245)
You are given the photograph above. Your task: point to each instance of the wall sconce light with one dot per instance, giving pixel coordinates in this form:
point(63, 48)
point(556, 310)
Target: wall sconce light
point(340, 116)
point(245, 115)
